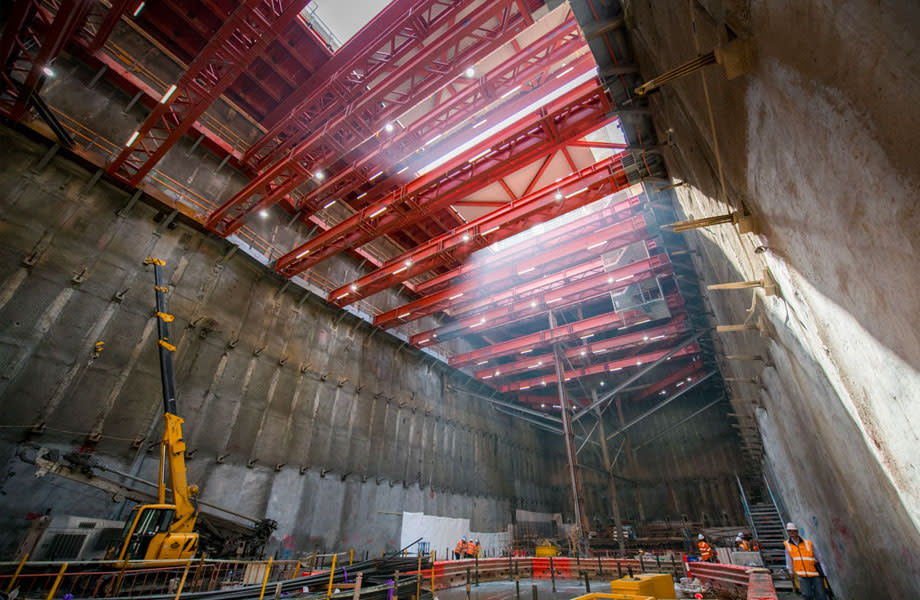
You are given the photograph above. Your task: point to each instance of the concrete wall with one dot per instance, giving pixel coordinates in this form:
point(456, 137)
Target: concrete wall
point(818, 141)
point(294, 411)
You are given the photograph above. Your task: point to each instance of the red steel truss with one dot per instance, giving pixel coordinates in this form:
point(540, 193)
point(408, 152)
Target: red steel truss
point(371, 54)
point(527, 291)
point(582, 283)
point(606, 367)
point(244, 36)
point(590, 225)
point(572, 116)
point(391, 153)
point(35, 34)
point(582, 187)
point(485, 30)
point(568, 333)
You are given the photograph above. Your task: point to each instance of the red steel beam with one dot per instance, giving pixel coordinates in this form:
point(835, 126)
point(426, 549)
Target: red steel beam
point(33, 37)
point(423, 74)
point(591, 225)
point(609, 366)
point(565, 333)
point(578, 189)
point(575, 114)
point(374, 51)
point(536, 281)
point(100, 24)
point(244, 35)
point(508, 306)
point(680, 376)
point(391, 152)
point(585, 353)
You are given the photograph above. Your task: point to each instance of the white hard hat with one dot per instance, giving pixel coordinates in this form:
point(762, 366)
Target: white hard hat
point(790, 526)
point(464, 538)
point(701, 537)
point(740, 533)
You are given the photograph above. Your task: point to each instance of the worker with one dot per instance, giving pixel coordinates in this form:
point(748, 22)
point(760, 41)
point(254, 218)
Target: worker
point(741, 543)
point(460, 550)
point(469, 549)
point(477, 549)
point(804, 564)
point(706, 552)
point(752, 543)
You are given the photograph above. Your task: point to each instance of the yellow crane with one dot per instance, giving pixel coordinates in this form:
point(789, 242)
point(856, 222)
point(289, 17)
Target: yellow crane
point(164, 531)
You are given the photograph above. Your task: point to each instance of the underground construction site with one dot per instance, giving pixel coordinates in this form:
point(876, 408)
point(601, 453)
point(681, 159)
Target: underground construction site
point(485, 298)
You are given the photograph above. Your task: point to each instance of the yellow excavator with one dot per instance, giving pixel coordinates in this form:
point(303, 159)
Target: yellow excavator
point(164, 531)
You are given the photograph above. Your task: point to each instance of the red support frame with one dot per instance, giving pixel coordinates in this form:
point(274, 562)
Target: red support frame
point(244, 36)
point(409, 148)
point(33, 37)
point(608, 366)
point(578, 189)
point(582, 283)
point(470, 40)
point(599, 223)
point(567, 333)
point(572, 116)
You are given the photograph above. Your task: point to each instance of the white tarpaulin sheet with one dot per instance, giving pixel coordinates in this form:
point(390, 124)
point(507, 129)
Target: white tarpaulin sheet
point(443, 533)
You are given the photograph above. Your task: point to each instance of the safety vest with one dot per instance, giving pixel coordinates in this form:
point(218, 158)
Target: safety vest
point(705, 551)
point(470, 548)
point(460, 546)
point(803, 558)
point(744, 546)
point(478, 549)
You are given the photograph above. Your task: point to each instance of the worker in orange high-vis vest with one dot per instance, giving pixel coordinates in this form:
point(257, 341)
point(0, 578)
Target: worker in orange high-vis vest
point(469, 551)
point(803, 562)
point(460, 549)
point(707, 554)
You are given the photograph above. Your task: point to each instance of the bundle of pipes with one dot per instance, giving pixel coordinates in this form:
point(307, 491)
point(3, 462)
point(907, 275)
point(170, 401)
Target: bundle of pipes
point(379, 581)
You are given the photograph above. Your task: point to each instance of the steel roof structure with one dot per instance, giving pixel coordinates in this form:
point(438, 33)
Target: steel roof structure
point(486, 156)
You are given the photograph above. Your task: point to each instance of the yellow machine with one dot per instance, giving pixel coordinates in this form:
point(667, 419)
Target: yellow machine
point(657, 585)
point(164, 531)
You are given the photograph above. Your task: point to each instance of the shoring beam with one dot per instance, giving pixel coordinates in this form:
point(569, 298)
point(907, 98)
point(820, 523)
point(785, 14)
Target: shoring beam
point(397, 150)
point(487, 309)
point(243, 37)
point(695, 381)
point(608, 366)
point(447, 57)
point(619, 387)
point(533, 281)
point(373, 52)
point(578, 189)
point(571, 116)
point(99, 29)
point(568, 333)
point(32, 39)
point(595, 224)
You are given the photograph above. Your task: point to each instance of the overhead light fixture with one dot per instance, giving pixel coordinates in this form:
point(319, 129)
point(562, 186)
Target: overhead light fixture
point(603, 384)
point(481, 362)
point(408, 262)
point(554, 300)
point(403, 170)
point(168, 94)
point(645, 338)
point(590, 335)
point(480, 155)
point(528, 270)
point(132, 138)
point(375, 176)
point(533, 304)
point(49, 72)
point(558, 195)
point(576, 192)
point(404, 315)
point(354, 287)
point(340, 296)
point(432, 140)
point(475, 125)
point(624, 278)
point(319, 175)
point(498, 372)
point(610, 280)
point(376, 212)
point(263, 213)
point(542, 405)
point(584, 352)
point(455, 296)
point(466, 237)
point(567, 71)
point(423, 341)
point(597, 245)
point(470, 72)
point(328, 204)
point(359, 196)
point(302, 254)
point(388, 128)
point(489, 231)
point(138, 10)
